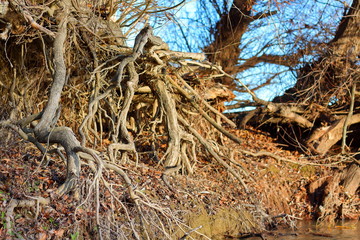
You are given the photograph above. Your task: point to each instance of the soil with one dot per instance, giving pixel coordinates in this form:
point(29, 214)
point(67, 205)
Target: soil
point(211, 198)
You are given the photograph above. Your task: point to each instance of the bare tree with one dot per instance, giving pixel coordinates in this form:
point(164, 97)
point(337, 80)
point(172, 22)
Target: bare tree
point(318, 111)
point(323, 83)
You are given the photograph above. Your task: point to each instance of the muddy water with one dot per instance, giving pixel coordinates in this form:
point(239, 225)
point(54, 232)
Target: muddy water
point(309, 231)
point(342, 230)
point(226, 224)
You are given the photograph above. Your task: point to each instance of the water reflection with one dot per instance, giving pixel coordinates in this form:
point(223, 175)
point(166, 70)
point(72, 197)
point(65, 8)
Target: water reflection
point(342, 230)
point(307, 230)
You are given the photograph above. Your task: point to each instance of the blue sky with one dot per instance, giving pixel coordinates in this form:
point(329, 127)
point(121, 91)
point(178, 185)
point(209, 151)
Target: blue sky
point(285, 31)
point(282, 33)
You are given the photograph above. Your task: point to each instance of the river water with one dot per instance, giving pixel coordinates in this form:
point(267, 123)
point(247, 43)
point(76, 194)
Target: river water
point(308, 230)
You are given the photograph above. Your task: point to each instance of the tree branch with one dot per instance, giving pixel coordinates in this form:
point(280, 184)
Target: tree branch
point(284, 60)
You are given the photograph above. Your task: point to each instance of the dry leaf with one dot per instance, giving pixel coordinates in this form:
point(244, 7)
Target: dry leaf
point(59, 233)
point(42, 236)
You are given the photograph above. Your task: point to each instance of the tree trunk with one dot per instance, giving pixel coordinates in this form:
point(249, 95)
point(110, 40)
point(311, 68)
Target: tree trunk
point(328, 77)
point(346, 42)
point(323, 86)
point(224, 50)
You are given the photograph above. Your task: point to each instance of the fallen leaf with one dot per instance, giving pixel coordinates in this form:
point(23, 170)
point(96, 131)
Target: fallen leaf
point(59, 233)
point(20, 220)
point(42, 236)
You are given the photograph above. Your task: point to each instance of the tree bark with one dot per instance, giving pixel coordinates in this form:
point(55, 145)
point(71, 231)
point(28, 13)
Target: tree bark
point(224, 50)
point(320, 80)
point(346, 42)
point(45, 131)
point(326, 81)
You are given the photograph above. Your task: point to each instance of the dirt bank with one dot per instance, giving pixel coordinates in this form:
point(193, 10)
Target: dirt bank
point(212, 201)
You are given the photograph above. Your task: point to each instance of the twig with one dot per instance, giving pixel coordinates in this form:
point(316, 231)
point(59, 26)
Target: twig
point(269, 154)
point(231, 123)
point(203, 113)
point(348, 117)
point(255, 98)
point(208, 147)
point(181, 55)
point(31, 21)
point(188, 233)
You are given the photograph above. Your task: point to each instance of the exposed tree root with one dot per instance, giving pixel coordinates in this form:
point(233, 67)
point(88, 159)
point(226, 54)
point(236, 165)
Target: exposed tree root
point(16, 203)
point(147, 95)
point(145, 104)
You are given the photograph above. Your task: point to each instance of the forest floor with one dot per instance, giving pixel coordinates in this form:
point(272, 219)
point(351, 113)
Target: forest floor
point(278, 190)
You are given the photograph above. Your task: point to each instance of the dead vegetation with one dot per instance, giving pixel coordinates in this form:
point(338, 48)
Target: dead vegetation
point(132, 126)
point(140, 104)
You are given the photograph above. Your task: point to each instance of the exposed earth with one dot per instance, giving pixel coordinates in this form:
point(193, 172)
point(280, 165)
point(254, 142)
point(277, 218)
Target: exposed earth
point(284, 189)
